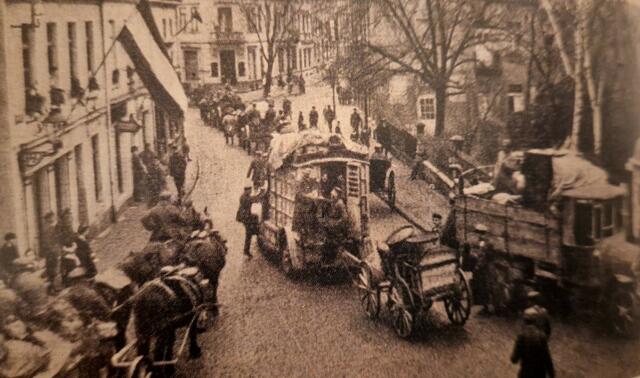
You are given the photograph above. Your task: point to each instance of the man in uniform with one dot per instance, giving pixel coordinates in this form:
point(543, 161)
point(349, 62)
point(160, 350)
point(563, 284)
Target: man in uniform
point(329, 116)
point(356, 121)
point(249, 220)
point(258, 170)
point(165, 220)
point(336, 225)
point(313, 118)
point(50, 250)
point(139, 175)
point(531, 350)
point(178, 168)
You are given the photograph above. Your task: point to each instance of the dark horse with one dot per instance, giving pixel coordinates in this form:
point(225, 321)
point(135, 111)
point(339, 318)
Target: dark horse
point(162, 305)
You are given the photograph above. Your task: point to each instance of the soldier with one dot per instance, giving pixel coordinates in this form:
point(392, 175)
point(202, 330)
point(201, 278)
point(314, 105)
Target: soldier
point(356, 121)
point(300, 122)
point(531, 350)
point(156, 181)
point(50, 250)
point(178, 168)
point(313, 118)
point(537, 313)
point(139, 175)
point(329, 116)
point(336, 225)
point(258, 170)
point(249, 220)
point(165, 221)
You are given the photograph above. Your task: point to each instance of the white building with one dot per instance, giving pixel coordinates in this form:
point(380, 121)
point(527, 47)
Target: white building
point(79, 157)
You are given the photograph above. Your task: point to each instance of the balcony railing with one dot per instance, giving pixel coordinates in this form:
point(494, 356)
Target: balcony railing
point(228, 37)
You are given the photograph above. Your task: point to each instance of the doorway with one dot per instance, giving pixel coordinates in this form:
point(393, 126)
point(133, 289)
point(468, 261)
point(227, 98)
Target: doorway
point(228, 66)
point(191, 65)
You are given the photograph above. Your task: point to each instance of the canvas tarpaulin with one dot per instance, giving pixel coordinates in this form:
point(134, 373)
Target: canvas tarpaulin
point(153, 66)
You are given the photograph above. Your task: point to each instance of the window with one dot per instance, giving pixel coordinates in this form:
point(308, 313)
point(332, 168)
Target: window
point(427, 108)
point(164, 28)
point(27, 38)
point(182, 21)
point(52, 47)
point(88, 31)
point(241, 69)
point(73, 53)
point(194, 22)
point(170, 28)
point(214, 69)
point(97, 176)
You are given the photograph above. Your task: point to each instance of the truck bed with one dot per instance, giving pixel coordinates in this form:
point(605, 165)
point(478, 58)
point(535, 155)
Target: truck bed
point(512, 229)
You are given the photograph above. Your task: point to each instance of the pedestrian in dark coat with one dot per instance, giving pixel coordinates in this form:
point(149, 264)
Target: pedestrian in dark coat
point(249, 221)
point(301, 84)
point(147, 155)
point(531, 350)
point(84, 253)
point(156, 182)
point(313, 118)
point(365, 136)
point(270, 117)
point(356, 122)
point(258, 170)
point(382, 135)
point(329, 116)
point(8, 253)
point(300, 122)
point(50, 249)
point(178, 168)
point(139, 175)
point(64, 229)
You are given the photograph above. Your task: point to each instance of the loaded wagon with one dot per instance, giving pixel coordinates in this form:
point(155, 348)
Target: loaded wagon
point(413, 271)
point(383, 178)
point(297, 226)
point(563, 237)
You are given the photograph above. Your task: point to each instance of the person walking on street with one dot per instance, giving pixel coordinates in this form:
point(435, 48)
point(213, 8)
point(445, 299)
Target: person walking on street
point(139, 175)
point(249, 221)
point(313, 118)
point(286, 107)
point(8, 253)
point(531, 350)
point(270, 117)
point(301, 84)
point(537, 313)
point(365, 136)
point(178, 168)
point(329, 116)
point(156, 182)
point(84, 253)
point(50, 250)
point(356, 122)
point(258, 170)
point(300, 122)
point(338, 130)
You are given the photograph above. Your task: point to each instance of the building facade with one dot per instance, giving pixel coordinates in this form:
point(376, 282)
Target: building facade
point(224, 46)
point(73, 106)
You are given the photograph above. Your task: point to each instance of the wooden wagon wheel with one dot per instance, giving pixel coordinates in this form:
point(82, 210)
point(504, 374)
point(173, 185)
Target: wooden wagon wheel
point(391, 190)
point(458, 306)
point(622, 312)
point(403, 319)
point(369, 295)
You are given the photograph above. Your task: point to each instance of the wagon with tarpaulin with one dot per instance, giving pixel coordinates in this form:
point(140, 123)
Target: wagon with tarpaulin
point(296, 225)
point(413, 271)
point(563, 237)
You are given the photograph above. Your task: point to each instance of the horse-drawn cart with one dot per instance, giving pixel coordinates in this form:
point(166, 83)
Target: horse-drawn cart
point(414, 271)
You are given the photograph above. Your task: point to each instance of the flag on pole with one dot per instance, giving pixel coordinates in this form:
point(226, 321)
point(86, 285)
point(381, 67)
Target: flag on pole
point(144, 7)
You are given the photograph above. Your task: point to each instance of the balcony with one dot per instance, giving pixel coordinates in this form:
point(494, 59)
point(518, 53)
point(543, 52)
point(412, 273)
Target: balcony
point(224, 37)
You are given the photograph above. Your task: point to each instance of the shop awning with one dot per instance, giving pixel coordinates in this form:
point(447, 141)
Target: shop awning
point(129, 126)
point(153, 66)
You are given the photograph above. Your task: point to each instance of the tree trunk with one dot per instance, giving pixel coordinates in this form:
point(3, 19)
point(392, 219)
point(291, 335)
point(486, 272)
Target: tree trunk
point(441, 98)
point(596, 109)
point(268, 81)
point(578, 99)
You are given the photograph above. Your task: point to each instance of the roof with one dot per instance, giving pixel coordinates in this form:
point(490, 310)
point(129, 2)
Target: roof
point(284, 145)
point(595, 192)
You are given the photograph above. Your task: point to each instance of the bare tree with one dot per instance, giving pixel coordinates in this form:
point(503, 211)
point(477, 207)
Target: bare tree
point(273, 22)
point(584, 32)
point(431, 40)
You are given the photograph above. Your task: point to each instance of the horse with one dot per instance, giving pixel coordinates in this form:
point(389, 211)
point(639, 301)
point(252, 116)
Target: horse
point(164, 304)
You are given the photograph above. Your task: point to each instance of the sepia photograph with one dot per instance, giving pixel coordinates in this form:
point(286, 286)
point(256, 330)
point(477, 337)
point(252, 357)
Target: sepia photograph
point(319, 188)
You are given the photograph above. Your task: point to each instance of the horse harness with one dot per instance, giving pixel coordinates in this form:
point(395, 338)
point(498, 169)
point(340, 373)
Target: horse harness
point(178, 286)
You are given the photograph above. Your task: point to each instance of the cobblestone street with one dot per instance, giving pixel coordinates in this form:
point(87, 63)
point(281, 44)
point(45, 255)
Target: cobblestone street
point(273, 326)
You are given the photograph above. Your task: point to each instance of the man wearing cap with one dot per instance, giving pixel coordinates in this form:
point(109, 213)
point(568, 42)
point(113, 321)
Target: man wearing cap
point(164, 220)
point(436, 220)
point(336, 224)
point(531, 350)
point(258, 170)
point(538, 314)
point(8, 253)
point(178, 168)
point(249, 220)
point(313, 118)
point(50, 250)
